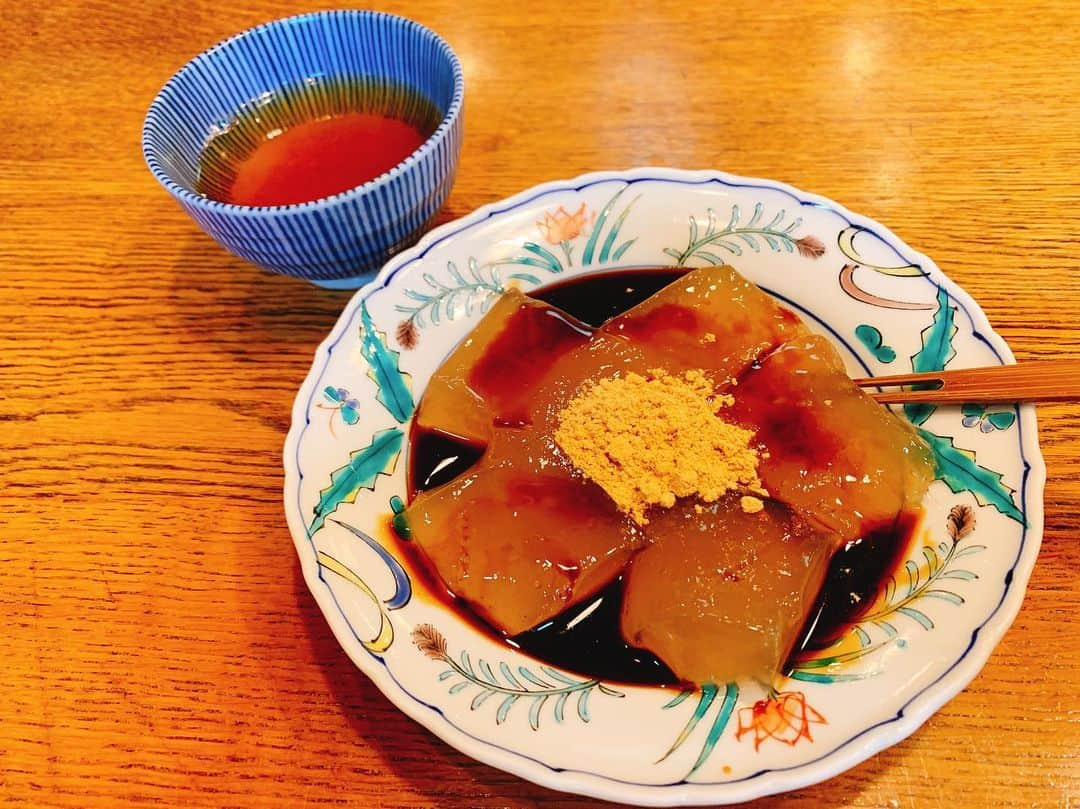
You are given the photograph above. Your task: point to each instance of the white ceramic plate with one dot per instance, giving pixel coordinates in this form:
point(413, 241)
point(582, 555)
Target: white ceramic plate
point(886, 307)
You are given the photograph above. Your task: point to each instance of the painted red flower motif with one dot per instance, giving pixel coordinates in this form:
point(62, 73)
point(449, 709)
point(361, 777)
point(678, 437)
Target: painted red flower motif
point(785, 717)
point(563, 226)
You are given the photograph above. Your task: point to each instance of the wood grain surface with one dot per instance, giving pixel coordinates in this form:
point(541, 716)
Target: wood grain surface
point(160, 646)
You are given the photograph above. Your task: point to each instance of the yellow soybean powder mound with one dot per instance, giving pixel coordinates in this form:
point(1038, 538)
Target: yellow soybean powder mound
point(648, 440)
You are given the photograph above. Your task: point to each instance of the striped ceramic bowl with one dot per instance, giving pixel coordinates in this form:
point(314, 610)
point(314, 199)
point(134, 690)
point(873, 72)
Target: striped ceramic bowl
point(338, 240)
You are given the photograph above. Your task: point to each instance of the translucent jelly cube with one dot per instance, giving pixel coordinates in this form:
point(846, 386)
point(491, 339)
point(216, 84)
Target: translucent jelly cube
point(720, 594)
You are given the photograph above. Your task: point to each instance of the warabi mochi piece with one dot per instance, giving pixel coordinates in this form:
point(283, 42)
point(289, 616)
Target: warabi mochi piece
point(603, 357)
point(720, 594)
point(490, 377)
point(711, 318)
point(520, 537)
point(837, 457)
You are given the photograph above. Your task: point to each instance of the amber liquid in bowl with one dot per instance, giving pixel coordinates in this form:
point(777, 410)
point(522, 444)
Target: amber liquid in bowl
point(586, 637)
point(306, 143)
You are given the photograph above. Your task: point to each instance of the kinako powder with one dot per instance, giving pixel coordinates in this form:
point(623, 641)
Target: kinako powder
point(650, 439)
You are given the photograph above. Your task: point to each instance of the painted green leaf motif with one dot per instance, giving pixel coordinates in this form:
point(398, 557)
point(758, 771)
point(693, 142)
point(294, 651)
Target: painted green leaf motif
point(958, 469)
point(560, 707)
point(524, 687)
point(827, 679)
point(393, 385)
point(622, 248)
point(583, 705)
point(613, 234)
point(705, 700)
point(706, 695)
point(605, 212)
point(362, 470)
point(504, 709)
point(870, 336)
point(678, 698)
point(552, 262)
point(937, 349)
point(731, 695)
point(480, 699)
point(440, 300)
point(918, 412)
point(400, 522)
point(863, 636)
point(534, 711)
point(777, 234)
point(936, 352)
point(1002, 421)
point(918, 616)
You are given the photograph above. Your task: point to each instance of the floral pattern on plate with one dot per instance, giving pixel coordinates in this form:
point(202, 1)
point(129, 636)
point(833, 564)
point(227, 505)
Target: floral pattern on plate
point(917, 645)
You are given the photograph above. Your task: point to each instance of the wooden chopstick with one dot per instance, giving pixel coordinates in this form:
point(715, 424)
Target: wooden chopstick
point(1030, 381)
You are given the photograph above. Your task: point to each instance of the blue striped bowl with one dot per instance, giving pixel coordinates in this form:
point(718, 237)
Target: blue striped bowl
point(336, 241)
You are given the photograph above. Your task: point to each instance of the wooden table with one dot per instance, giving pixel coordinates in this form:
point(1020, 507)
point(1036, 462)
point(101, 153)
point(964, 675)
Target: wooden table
point(160, 646)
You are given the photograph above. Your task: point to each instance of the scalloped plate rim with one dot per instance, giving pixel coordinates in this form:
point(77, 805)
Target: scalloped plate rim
point(766, 781)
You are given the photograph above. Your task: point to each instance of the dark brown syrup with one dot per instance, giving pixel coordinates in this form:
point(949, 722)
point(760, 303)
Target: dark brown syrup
point(855, 577)
point(437, 458)
point(585, 638)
